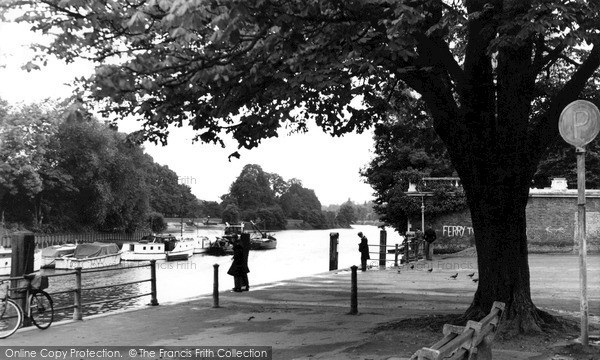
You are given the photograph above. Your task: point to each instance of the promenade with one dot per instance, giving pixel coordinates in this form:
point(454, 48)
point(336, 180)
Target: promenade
point(308, 318)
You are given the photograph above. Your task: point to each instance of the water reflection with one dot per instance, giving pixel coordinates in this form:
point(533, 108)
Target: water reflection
point(299, 253)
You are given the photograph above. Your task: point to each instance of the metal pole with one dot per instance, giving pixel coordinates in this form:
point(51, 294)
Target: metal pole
point(77, 312)
point(216, 286)
point(423, 213)
point(581, 234)
point(396, 256)
point(353, 292)
point(153, 300)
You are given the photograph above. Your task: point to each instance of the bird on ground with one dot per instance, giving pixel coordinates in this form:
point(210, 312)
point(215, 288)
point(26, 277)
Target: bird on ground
point(475, 280)
point(430, 270)
point(454, 276)
point(412, 266)
point(471, 275)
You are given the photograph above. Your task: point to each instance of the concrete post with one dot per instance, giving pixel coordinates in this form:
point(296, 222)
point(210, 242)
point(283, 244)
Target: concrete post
point(353, 291)
point(216, 286)
point(382, 248)
point(23, 246)
point(333, 253)
point(78, 305)
point(153, 300)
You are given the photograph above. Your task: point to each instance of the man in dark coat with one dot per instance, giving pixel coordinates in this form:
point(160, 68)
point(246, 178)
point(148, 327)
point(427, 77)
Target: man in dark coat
point(239, 269)
point(430, 237)
point(363, 247)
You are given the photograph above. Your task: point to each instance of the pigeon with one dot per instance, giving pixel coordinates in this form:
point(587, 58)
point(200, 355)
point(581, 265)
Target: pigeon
point(454, 276)
point(471, 275)
point(430, 270)
point(475, 280)
point(412, 266)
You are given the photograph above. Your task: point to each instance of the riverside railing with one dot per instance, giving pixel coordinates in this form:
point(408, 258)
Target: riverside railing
point(45, 240)
point(409, 252)
point(78, 290)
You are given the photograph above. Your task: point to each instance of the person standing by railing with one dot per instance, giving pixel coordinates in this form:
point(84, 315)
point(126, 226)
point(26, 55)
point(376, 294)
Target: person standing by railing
point(363, 247)
point(430, 237)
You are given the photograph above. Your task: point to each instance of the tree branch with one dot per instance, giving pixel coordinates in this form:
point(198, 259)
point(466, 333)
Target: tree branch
point(546, 132)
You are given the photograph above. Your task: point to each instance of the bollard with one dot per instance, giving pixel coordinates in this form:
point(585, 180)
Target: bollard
point(333, 253)
point(353, 292)
point(396, 256)
point(216, 286)
point(153, 300)
point(78, 308)
point(382, 247)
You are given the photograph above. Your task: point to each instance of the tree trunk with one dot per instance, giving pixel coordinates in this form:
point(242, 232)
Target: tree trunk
point(499, 223)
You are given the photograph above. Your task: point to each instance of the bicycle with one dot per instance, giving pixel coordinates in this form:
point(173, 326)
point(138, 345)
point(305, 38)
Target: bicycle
point(39, 307)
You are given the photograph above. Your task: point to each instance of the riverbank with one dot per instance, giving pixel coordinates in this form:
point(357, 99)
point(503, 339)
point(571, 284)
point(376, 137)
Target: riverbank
point(308, 317)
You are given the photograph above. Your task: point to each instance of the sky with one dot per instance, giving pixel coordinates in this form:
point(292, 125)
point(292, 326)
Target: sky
point(330, 166)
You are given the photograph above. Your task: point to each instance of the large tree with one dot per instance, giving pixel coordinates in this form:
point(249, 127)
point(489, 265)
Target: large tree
point(244, 68)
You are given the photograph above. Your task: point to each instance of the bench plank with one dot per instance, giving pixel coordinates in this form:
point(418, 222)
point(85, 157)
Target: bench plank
point(472, 342)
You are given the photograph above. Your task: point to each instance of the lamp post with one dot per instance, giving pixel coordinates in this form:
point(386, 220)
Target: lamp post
point(412, 192)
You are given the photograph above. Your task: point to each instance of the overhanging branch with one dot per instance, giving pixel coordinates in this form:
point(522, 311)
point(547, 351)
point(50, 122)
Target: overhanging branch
point(546, 131)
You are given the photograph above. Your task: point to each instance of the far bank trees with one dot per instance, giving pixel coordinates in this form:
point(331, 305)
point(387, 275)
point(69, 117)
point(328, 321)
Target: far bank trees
point(61, 173)
point(269, 200)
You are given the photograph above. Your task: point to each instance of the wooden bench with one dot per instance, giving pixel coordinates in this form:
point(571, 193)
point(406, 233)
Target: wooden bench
point(472, 342)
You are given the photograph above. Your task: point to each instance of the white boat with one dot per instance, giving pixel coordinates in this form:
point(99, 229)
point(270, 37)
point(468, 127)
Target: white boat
point(51, 253)
point(201, 244)
point(261, 240)
point(179, 249)
point(90, 256)
point(6, 261)
point(143, 250)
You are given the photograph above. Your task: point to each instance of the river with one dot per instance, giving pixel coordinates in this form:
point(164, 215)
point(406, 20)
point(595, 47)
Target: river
point(298, 253)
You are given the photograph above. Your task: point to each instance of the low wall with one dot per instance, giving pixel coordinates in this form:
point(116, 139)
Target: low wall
point(551, 223)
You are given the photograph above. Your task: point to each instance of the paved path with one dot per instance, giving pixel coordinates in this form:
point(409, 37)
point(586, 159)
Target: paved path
point(307, 318)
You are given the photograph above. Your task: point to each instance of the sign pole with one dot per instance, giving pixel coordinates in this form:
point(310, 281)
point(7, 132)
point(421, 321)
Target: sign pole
point(579, 124)
point(582, 241)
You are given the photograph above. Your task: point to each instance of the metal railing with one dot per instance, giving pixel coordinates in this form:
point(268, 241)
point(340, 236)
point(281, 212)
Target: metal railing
point(45, 240)
point(78, 290)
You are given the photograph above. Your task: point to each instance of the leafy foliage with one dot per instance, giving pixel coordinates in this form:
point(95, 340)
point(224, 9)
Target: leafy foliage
point(246, 68)
point(67, 173)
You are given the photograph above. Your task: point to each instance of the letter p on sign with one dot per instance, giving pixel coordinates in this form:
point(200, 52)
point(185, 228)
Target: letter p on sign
point(579, 123)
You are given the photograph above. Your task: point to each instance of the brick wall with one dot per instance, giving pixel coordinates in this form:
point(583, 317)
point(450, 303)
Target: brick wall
point(551, 223)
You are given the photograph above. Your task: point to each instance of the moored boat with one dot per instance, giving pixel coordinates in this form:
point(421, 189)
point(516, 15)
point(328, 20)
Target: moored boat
point(261, 240)
point(6, 261)
point(51, 253)
point(178, 249)
point(90, 256)
point(266, 242)
point(143, 250)
point(201, 244)
point(221, 246)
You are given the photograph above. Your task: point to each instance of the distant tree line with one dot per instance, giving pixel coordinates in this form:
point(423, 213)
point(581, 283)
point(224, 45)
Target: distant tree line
point(74, 173)
point(269, 200)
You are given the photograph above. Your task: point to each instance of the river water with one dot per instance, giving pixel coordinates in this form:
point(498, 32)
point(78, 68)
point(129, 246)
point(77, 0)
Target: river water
point(298, 253)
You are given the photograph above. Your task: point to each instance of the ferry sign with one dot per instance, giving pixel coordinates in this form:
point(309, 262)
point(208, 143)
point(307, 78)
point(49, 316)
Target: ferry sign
point(579, 123)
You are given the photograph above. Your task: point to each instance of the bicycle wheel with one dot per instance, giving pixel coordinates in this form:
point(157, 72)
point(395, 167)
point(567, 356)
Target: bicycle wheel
point(41, 309)
point(10, 318)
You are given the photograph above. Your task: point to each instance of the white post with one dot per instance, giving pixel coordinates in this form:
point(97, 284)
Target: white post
point(581, 237)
